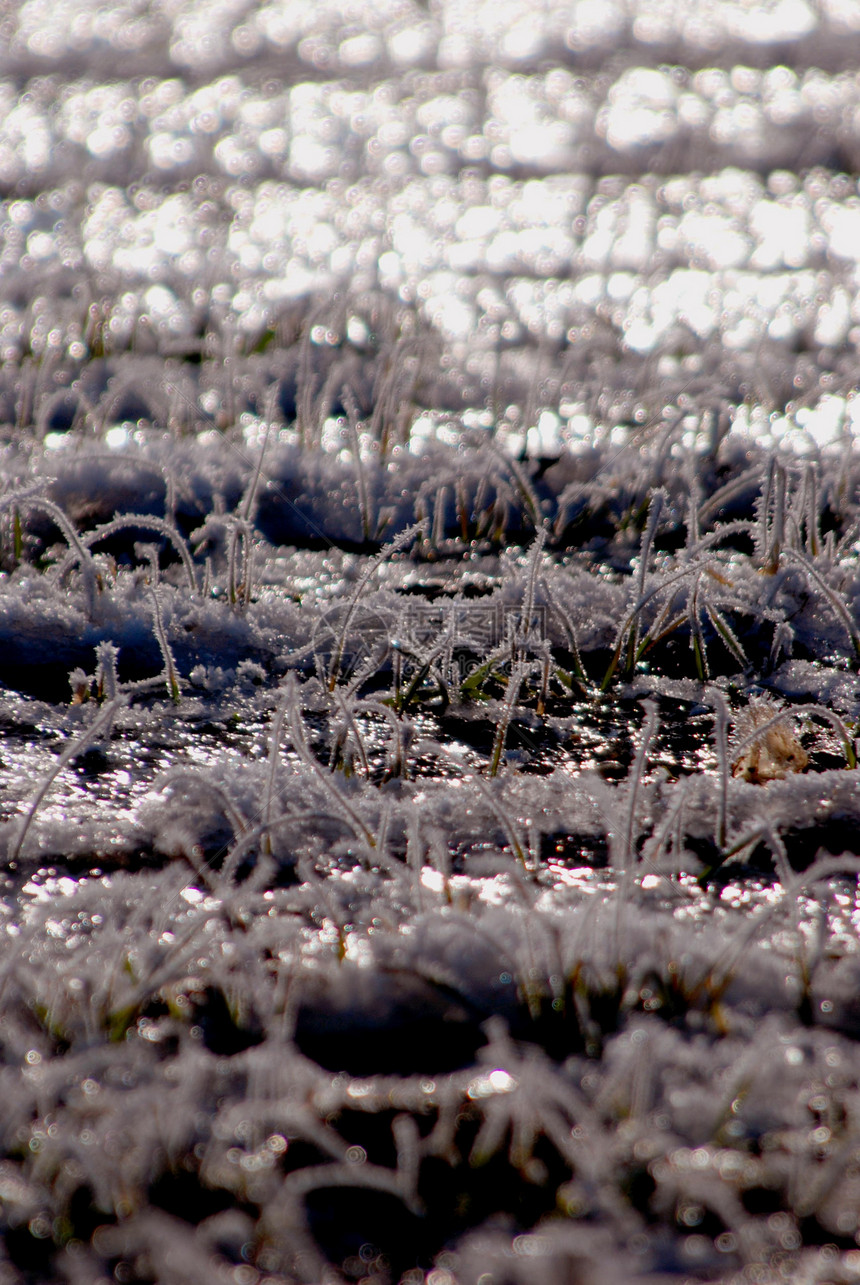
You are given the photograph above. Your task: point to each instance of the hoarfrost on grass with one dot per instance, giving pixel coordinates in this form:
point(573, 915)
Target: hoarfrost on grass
point(428, 616)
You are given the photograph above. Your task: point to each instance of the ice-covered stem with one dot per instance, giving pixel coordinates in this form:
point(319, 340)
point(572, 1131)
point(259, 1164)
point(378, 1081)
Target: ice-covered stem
point(125, 521)
point(300, 745)
point(519, 670)
point(721, 723)
point(723, 532)
point(106, 675)
point(274, 759)
point(169, 497)
point(95, 729)
point(249, 502)
point(123, 1013)
point(728, 635)
point(716, 424)
point(693, 532)
point(655, 510)
point(628, 849)
point(697, 641)
point(473, 682)
point(770, 512)
point(545, 669)
point(569, 628)
point(838, 726)
point(149, 553)
point(777, 527)
point(721, 497)
point(812, 515)
point(81, 553)
point(167, 656)
point(263, 829)
point(438, 533)
point(528, 495)
point(632, 615)
point(384, 554)
point(672, 821)
point(531, 583)
point(462, 508)
point(401, 732)
point(351, 407)
point(426, 666)
point(19, 498)
point(239, 578)
point(349, 723)
point(627, 854)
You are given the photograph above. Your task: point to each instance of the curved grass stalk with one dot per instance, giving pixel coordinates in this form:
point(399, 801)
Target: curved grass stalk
point(515, 681)
point(628, 848)
point(738, 527)
point(384, 554)
point(132, 520)
point(632, 615)
point(300, 745)
point(12, 499)
point(728, 492)
point(76, 544)
point(839, 727)
point(120, 1017)
point(250, 500)
point(672, 821)
point(472, 684)
point(237, 821)
point(830, 594)
point(760, 730)
point(368, 667)
point(98, 725)
point(567, 624)
point(655, 509)
point(528, 495)
point(397, 759)
point(245, 841)
point(426, 667)
point(724, 629)
point(720, 973)
point(352, 725)
point(498, 811)
point(169, 671)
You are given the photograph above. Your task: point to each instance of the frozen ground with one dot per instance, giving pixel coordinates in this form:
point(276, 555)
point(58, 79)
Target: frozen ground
point(429, 642)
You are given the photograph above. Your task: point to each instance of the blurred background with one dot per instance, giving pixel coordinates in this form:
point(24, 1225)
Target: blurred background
point(591, 208)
